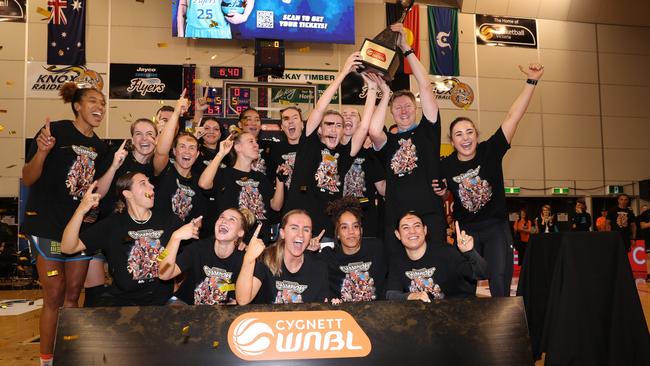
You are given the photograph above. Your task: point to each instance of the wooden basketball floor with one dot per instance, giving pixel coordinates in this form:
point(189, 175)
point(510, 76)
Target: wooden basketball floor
point(18, 332)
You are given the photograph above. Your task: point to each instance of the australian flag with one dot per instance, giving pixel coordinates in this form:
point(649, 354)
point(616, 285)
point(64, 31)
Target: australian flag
point(66, 32)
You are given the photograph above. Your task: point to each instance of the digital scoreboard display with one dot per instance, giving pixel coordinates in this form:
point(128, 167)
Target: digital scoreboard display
point(237, 100)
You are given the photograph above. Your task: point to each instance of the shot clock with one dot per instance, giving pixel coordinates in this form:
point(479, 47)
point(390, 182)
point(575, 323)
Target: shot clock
point(226, 72)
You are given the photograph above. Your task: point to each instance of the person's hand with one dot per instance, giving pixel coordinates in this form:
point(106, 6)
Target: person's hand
point(439, 189)
point(383, 86)
point(45, 141)
point(225, 146)
point(282, 173)
point(183, 104)
point(422, 296)
point(120, 155)
point(236, 18)
point(533, 71)
point(401, 39)
point(314, 243)
point(255, 246)
point(189, 230)
point(465, 242)
point(371, 80)
point(352, 63)
point(90, 199)
point(201, 104)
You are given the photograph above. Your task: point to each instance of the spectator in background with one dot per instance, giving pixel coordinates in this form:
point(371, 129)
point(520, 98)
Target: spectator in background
point(581, 220)
point(643, 224)
point(522, 228)
point(545, 223)
point(601, 222)
point(621, 218)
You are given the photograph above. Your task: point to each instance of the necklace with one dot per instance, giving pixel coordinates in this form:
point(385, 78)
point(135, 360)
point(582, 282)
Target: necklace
point(141, 222)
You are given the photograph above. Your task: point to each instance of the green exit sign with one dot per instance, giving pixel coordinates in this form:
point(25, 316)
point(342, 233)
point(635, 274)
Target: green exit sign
point(560, 190)
point(614, 189)
point(512, 190)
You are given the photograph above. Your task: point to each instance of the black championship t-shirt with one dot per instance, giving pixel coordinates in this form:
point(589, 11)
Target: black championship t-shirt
point(309, 284)
point(71, 166)
point(205, 157)
point(441, 272)
point(180, 195)
point(107, 204)
point(131, 250)
point(359, 182)
point(211, 278)
point(317, 180)
point(582, 221)
point(411, 160)
point(360, 276)
point(477, 184)
point(282, 154)
point(620, 219)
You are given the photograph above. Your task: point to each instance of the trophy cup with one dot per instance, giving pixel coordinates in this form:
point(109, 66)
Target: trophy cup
point(379, 55)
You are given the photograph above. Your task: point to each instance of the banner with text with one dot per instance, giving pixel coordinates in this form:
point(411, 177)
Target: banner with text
point(505, 31)
point(136, 81)
point(44, 81)
point(296, 96)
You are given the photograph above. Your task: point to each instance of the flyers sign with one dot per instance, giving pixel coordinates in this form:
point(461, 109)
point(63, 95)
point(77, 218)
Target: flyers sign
point(44, 81)
point(291, 335)
point(506, 31)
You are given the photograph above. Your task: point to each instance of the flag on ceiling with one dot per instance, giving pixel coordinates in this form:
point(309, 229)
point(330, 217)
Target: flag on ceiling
point(443, 41)
point(66, 32)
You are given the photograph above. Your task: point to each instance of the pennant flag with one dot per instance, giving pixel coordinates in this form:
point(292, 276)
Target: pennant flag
point(401, 80)
point(443, 41)
point(66, 32)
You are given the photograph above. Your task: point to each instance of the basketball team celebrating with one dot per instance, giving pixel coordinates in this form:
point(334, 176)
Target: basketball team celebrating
point(339, 210)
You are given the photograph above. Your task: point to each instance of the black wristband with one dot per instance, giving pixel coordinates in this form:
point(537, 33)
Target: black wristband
point(531, 81)
point(408, 52)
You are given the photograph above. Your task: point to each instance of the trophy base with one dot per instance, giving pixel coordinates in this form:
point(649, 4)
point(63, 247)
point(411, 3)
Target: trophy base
point(379, 59)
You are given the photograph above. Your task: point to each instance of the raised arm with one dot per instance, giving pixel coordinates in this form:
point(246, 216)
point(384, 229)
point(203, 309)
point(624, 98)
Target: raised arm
point(247, 285)
point(166, 137)
point(168, 268)
point(206, 180)
point(104, 183)
point(427, 99)
point(377, 123)
point(359, 136)
point(34, 167)
point(70, 243)
point(277, 201)
point(518, 108)
point(351, 64)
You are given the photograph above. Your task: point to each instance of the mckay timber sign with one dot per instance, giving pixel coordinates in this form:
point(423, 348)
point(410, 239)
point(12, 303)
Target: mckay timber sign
point(295, 76)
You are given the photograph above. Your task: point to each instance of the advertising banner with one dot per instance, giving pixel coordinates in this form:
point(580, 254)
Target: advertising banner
point(137, 81)
point(455, 92)
point(505, 31)
point(13, 11)
point(44, 81)
point(296, 76)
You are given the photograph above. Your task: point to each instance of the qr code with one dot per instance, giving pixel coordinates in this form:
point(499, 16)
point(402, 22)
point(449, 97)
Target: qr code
point(264, 19)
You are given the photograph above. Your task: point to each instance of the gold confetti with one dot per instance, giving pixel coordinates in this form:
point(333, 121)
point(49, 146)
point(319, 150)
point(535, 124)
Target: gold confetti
point(227, 287)
point(12, 132)
point(304, 49)
point(52, 273)
point(197, 81)
point(213, 57)
point(2, 128)
point(162, 45)
point(9, 83)
point(70, 337)
point(139, 1)
point(162, 256)
point(3, 306)
point(186, 330)
point(43, 12)
point(3, 111)
point(61, 53)
point(215, 344)
point(10, 166)
point(213, 24)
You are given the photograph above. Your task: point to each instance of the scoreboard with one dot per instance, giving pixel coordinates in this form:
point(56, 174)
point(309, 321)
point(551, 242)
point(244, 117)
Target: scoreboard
point(237, 100)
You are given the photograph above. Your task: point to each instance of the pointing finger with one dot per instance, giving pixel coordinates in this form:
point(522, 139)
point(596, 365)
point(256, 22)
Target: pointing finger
point(185, 91)
point(257, 231)
point(320, 235)
point(92, 187)
point(123, 144)
point(458, 228)
point(207, 89)
point(47, 125)
point(197, 220)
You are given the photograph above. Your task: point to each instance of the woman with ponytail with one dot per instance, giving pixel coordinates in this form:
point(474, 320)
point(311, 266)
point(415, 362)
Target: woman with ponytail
point(283, 273)
point(63, 161)
point(211, 265)
point(132, 240)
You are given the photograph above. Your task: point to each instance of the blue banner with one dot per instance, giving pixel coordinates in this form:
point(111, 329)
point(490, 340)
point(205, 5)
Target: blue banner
point(443, 41)
point(66, 32)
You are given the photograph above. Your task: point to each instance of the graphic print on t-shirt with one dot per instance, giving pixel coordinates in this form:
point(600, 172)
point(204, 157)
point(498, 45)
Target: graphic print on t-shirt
point(289, 292)
point(354, 183)
point(622, 219)
point(422, 280)
point(182, 200)
point(327, 174)
point(82, 171)
point(473, 191)
point(251, 198)
point(405, 159)
point(142, 263)
point(289, 160)
point(259, 165)
point(215, 287)
point(357, 284)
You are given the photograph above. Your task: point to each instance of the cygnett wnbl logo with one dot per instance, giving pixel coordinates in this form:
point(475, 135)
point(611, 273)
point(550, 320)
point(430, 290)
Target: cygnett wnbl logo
point(297, 335)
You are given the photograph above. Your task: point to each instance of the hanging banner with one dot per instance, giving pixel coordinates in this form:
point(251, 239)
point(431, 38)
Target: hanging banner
point(13, 11)
point(66, 32)
point(296, 76)
point(455, 92)
point(137, 81)
point(44, 81)
point(505, 31)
